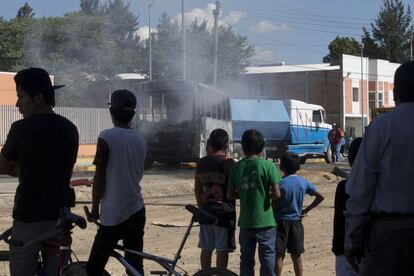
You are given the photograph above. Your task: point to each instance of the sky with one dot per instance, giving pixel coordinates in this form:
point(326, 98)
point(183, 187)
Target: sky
point(294, 31)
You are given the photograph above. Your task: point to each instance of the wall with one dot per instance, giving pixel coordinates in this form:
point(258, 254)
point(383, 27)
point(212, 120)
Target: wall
point(89, 121)
point(315, 87)
point(7, 89)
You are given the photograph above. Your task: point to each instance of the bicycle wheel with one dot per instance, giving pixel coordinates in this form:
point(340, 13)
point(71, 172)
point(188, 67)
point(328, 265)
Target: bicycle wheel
point(4, 262)
point(215, 271)
point(77, 269)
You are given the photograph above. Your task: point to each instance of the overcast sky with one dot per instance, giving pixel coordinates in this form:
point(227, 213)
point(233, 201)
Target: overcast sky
point(294, 31)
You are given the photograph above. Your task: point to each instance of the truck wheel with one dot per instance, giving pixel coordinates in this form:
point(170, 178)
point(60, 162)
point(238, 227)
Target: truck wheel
point(328, 156)
point(237, 152)
point(263, 154)
point(303, 159)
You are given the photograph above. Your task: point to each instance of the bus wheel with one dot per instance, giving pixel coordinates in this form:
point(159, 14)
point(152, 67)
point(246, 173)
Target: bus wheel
point(149, 162)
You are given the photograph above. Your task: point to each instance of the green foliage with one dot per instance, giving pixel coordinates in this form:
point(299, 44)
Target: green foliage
point(391, 32)
point(99, 41)
point(25, 11)
point(233, 56)
point(89, 7)
point(339, 46)
point(12, 37)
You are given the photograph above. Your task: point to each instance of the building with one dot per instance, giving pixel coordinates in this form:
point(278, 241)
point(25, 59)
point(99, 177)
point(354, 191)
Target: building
point(345, 93)
point(7, 88)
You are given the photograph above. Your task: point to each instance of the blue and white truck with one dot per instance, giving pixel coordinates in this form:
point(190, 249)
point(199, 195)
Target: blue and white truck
point(287, 125)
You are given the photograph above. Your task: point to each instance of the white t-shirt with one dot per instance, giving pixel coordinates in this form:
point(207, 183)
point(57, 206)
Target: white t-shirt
point(122, 196)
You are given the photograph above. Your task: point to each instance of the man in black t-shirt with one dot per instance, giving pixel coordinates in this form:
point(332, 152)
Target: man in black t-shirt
point(41, 150)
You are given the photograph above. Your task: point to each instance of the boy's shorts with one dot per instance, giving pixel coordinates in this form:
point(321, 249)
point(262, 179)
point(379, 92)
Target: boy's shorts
point(290, 237)
point(215, 237)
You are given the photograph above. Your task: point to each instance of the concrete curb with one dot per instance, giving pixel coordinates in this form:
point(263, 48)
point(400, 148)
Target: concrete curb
point(84, 164)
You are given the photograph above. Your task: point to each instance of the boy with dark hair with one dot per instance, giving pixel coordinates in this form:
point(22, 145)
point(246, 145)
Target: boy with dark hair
point(255, 181)
point(119, 161)
point(41, 149)
point(289, 213)
point(342, 266)
point(211, 194)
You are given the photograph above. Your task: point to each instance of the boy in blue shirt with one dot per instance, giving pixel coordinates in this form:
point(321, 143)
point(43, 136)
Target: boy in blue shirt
point(288, 212)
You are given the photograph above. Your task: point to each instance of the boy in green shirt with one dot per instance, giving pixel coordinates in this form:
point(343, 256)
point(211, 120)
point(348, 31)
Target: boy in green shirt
point(255, 182)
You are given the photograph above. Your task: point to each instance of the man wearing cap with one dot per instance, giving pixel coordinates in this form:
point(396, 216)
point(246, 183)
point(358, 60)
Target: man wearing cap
point(380, 211)
point(41, 149)
point(119, 161)
point(335, 140)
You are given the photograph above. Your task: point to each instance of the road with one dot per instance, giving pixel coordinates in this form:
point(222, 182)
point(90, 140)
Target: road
point(9, 184)
point(167, 191)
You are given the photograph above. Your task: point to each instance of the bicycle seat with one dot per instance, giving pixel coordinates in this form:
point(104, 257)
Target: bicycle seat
point(201, 216)
point(67, 219)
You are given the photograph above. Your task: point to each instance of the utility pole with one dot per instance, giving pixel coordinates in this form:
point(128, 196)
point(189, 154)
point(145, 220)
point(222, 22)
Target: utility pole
point(216, 13)
point(362, 90)
point(149, 4)
point(184, 40)
point(306, 88)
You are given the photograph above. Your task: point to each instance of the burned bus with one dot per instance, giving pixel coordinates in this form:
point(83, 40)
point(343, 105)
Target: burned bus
point(176, 117)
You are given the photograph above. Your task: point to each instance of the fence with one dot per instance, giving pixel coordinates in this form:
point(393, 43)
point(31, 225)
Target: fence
point(89, 121)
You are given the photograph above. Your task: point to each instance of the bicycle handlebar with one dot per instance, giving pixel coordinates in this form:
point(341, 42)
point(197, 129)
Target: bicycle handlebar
point(5, 236)
point(201, 216)
point(90, 218)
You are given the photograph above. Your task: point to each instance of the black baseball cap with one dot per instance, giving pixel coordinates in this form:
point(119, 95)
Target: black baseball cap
point(123, 100)
point(34, 78)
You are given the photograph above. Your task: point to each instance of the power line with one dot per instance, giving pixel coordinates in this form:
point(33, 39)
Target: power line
point(281, 42)
point(306, 12)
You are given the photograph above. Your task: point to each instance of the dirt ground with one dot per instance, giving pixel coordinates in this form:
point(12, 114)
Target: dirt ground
point(167, 192)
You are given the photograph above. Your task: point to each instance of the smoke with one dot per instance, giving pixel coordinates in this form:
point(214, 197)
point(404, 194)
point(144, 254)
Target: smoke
point(78, 50)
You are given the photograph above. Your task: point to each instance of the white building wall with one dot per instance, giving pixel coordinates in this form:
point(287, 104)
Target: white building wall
point(351, 67)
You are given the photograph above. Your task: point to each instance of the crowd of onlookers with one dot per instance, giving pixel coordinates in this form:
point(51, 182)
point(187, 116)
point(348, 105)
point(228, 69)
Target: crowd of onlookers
point(270, 205)
point(374, 207)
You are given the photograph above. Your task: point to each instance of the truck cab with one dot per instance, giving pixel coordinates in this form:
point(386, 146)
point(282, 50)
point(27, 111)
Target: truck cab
point(286, 125)
point(308, 130)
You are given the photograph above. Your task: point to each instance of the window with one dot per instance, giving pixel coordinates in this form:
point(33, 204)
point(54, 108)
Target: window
point(316, 116)
point(355, 94)
point(257, 89)
point(252, 91)
point(261, 89)
point(380, 99)
point(376, 99)
point(372, 100)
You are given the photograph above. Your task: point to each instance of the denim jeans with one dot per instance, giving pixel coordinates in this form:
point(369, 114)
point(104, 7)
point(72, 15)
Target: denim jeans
point(336, 152)
point(266, 238)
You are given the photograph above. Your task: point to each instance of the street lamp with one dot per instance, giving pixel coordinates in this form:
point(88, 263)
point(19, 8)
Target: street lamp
point(149, 4)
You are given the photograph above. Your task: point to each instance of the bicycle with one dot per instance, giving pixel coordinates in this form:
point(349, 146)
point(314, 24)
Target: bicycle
point(169, 265)
point(66, 222)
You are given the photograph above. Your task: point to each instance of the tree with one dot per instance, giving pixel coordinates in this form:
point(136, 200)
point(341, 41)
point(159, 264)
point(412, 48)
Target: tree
point(166, 50)
point(25, 11)
point(391, 33)
point(89, 7)
point(12, 38)
point(234, 53)
point(233, 56)
point(339, 46)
